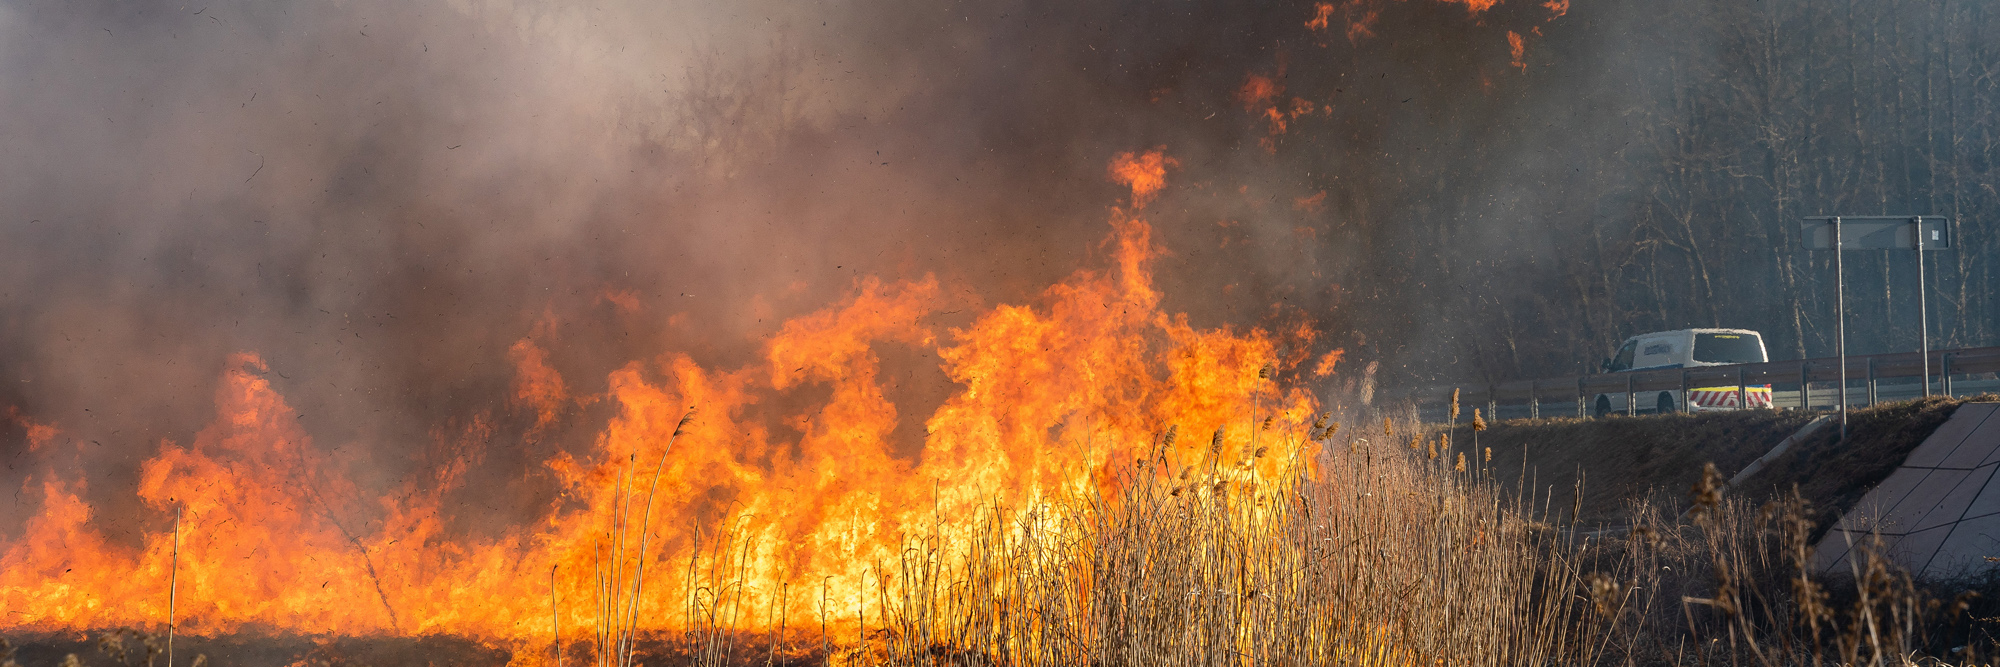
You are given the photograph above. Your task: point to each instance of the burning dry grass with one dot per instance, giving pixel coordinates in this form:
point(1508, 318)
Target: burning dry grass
point(1383, 557)
point(1391, 550)
point(1394, 551)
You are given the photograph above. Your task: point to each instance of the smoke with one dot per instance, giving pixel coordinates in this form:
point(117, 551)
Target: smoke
point(383, 199)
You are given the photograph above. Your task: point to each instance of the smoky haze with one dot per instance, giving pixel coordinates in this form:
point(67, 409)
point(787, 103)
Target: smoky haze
point(381, 198)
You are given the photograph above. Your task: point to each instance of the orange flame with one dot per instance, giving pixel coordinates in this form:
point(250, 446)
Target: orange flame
point(1050, 400)
point(1474, 6)
point(1145, 173)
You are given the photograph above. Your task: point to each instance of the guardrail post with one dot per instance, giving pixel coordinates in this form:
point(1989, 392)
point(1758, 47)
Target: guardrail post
point(1631, 397)
point(1944, 375)
point(1742, 391)
point(1805, 385)
point(1684, 390)
point(1579, 397)
point(1871, 381)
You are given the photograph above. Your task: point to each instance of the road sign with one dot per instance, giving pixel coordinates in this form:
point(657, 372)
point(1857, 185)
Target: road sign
point(1875, 232)
point(1878, 233)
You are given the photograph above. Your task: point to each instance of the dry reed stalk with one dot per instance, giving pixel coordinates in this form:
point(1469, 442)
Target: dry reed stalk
point(173, 586)
point(555, 620)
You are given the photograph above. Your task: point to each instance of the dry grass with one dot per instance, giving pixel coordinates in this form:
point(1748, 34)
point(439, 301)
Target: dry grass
point(1403, 550)
point(1389, 556)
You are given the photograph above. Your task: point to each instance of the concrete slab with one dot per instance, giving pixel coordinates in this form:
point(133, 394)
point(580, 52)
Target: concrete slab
point(1987, 438)
point(1914, 551)
point(1923, 501)
point(1966, 551)
point(1981, 446)
point(1882, 500)
point(1952, 506)
point(1943, 442)
point(1830, 555)
point(1987, 502)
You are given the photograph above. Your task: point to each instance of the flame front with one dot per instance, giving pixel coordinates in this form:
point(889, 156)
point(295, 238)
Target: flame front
point(1051, 400)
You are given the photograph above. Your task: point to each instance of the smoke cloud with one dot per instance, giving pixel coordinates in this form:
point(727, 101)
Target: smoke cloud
point(383, 200)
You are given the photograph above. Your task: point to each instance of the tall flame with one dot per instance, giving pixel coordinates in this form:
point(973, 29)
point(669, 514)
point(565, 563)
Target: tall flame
point(1051, 401)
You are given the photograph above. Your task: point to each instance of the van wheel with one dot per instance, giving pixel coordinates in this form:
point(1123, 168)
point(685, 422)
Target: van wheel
point(1603, 407)
point(1666, 404)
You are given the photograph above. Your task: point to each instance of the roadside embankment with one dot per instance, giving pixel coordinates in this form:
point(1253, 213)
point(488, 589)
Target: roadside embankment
point(1620, 460)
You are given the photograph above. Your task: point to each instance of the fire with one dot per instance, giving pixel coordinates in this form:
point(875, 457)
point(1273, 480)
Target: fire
point(1145, 173)
point(688, 483)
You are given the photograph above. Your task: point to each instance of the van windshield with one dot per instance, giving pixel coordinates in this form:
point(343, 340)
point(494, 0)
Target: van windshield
point(1624, 359)
point(1721, 348)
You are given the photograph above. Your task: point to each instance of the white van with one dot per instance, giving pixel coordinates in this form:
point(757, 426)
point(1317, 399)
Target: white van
point(1686, 348)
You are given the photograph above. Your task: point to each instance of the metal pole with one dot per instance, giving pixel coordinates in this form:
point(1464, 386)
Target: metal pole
point(1944, 375)
point(1871, 381)
point(1684, 390)
point(1534, 401)
point(1923, 309)
point(1840, 319)
point(1579, 397)
point(1742, 392)
point(1805, 385)
point(1631, 397)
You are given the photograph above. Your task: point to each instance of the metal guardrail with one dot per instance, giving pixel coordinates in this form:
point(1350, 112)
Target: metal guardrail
point(1803, 372)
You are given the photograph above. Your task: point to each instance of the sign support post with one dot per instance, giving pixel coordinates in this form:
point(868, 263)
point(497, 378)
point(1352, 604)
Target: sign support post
point(1840, 326)
point(1875, 232)
point(1923, 308)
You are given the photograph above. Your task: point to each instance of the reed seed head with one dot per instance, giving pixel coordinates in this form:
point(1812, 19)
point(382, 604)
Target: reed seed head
point(1478, 422)
point(1707, 491)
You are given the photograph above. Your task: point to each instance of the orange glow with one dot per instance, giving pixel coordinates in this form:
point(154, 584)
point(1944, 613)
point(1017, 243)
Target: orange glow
point(1327, 362)
point(1516, 48)
point(1474, 6)
point(1312, 204)
point(1258, 91)
point(1050, 400)
point(1557, 8)
point(537, 386)
point(1322, 13)
point(1145, 173)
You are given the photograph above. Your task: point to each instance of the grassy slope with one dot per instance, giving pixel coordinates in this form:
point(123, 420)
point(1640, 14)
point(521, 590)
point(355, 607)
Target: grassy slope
point(1625, 457)
point(1833, 475)
point(1660, 456)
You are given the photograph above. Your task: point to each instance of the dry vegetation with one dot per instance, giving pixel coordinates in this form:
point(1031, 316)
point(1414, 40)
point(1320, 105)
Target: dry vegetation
point(1403, 549)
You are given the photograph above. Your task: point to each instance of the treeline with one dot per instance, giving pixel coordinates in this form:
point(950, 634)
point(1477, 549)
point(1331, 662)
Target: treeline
point(1647, 166)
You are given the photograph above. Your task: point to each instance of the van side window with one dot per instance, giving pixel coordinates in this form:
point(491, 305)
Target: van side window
point(1624, 358)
